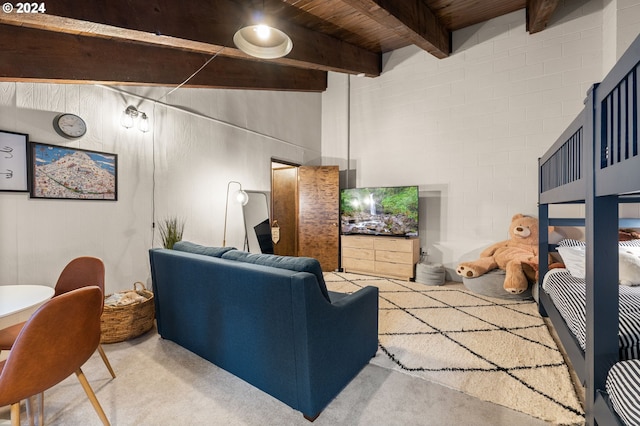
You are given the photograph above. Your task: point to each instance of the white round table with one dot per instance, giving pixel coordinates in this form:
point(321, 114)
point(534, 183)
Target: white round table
point(17, 298)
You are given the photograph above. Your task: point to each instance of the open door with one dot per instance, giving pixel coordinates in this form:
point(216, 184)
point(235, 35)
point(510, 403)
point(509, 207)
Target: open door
point(305, 205)
point(318, 230)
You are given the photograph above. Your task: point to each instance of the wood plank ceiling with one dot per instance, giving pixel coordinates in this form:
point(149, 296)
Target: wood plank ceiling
point(162, 42)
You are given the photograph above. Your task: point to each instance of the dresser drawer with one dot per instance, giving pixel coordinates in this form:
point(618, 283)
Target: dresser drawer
point(395, 269)
point(393, 244)
point(358, 253)
point(350, 264)
point(394, 257)
point(357, 242)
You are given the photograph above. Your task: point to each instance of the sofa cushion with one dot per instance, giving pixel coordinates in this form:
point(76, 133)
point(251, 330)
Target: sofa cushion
point(298, 264)
point(198, 249)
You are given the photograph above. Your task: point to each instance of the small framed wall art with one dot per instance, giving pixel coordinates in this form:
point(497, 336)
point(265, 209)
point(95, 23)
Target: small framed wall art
point(13, 161)
point(72, 173)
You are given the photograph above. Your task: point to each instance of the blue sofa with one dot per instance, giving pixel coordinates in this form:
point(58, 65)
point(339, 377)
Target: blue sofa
point(266, 319)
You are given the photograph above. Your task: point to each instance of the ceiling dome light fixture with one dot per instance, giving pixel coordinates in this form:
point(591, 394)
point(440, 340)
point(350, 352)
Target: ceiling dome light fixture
point(262, 41)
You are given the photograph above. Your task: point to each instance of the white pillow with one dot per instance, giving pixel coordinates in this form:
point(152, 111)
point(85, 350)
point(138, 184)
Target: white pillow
point(573, 259)
point(628, 262)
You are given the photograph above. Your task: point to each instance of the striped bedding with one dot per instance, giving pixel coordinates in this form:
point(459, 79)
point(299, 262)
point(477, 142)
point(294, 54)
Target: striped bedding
point(568, 295)
point(623, 380)
point(623, 387)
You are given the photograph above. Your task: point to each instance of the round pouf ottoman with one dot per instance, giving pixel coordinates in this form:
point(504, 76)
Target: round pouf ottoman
point(430, 273)
point(491, 285)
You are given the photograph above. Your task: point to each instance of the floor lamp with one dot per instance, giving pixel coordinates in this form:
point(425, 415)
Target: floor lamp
point(241, 197)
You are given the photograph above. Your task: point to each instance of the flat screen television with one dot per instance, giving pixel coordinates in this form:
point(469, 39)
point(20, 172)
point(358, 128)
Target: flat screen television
point(389, 211)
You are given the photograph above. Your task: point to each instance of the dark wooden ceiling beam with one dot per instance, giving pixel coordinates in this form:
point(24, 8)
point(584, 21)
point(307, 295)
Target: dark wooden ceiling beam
point(538, 14)
point(28, 54)
point(204, 27)
point(411, 19)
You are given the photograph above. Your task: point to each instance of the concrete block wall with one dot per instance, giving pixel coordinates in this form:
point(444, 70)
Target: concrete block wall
point(469, 129)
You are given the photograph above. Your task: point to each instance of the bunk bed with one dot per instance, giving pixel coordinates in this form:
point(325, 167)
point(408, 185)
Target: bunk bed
point(596, 162)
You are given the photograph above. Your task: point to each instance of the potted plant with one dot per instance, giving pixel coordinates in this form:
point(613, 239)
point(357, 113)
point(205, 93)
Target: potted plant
point(171, 230)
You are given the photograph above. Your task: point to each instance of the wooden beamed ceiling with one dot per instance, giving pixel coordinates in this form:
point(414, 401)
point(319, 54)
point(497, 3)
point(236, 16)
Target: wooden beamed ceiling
point(162, 42)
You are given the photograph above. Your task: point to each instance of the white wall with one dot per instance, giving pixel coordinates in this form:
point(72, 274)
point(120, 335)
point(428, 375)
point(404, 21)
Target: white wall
point(628, 23)
point(469, 129)
point(609, 35)
point(200, 140)
point(621, 23)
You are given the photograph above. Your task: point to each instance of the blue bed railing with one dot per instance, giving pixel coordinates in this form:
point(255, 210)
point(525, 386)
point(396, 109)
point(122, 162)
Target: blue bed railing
point(596, 161)
point(561, 168)
point(617, 163)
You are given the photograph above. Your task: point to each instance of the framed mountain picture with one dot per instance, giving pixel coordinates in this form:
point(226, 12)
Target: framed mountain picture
point(72, 173)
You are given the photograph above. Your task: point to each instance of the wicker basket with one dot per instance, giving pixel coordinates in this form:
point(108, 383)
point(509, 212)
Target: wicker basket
point(124, 322)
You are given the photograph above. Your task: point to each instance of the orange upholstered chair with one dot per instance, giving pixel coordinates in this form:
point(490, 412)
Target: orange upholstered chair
point(55, 342)
point(80, 272)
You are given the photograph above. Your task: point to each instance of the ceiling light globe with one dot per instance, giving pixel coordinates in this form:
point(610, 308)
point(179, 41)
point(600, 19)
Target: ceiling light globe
point(126, 120)
point(242, 197)
point(262, 31)
point(128, 115)
point(143, 124)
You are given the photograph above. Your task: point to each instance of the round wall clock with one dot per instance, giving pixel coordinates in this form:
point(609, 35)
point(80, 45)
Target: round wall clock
point(69, 126)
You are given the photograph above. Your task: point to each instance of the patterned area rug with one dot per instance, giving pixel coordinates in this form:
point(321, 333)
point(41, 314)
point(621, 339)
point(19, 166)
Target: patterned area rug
point(493, 349)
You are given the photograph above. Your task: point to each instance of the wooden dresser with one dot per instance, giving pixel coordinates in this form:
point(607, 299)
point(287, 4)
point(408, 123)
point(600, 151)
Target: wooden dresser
point(382, 256)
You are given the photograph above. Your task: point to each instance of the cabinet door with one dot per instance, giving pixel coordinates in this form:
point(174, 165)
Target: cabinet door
point(318, 194)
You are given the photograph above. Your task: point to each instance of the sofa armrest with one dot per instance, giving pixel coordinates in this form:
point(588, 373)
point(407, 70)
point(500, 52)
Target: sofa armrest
point(354, 322)
point(333, 343)
point(368, 294)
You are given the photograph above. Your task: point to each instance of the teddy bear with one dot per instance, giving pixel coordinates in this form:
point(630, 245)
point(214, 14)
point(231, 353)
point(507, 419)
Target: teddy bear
point(509, 255)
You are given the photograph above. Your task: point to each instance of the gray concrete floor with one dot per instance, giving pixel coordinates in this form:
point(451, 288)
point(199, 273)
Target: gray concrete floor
point(161, 383)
